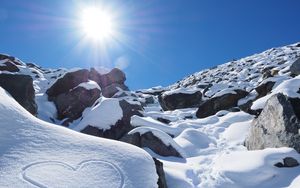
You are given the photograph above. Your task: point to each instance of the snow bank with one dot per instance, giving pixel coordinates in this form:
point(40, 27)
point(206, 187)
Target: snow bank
point(39, 154)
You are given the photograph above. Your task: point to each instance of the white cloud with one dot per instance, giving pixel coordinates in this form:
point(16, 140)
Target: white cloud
point(122, 62)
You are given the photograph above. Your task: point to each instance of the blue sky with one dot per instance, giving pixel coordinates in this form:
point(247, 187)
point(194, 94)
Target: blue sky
point(162, 41)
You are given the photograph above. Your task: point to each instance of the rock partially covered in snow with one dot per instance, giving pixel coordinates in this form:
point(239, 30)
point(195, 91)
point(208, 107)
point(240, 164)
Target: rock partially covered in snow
point(8, 66)
point(154, 139)
point(180, 98)
point(295, 67)
point(109, 119)
point(112, 89)
point(69, 81)
point(277, 125)
point(72, 103)
point(21, 89)
point(224, 102)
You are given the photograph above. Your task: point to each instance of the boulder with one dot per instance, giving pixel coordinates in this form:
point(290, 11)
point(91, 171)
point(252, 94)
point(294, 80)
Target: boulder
point(224, 102)
point(263, 89)
point(69, 81)
point(9, 66)
point(277, 125)
point(121, 127)
point(150, 140)
point(179, 100)
point(104, 80)
point(162, 183)
point(287, 162)
point(21, 89)
point(112, 89)
point(295, 67)
point(72, 103)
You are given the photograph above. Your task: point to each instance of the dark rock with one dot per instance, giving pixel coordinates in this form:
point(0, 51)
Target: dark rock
point(71, 104)
point(149, 140)
point(115, 76)
point(67, 82)
point(122, 126)
point(21, 89)
point(246, 107)
point(264, 89)
point(149, 100)
point(112, 89)
point(224, 102)
point(163, 120)
point(295, 67)
point(9, 66)
point(162, 183)
point(3, 57)
point(180, 100)
point(276, 126)
point(287, 162)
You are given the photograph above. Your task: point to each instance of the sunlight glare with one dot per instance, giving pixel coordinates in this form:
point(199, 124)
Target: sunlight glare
point(97, 24)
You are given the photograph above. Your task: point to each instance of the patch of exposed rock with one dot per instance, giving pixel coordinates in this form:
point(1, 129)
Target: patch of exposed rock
point(277, 126)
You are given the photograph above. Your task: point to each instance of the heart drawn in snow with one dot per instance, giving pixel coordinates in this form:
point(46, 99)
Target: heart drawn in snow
point(89, 173)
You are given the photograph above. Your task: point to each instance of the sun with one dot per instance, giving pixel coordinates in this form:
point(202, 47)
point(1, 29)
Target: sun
point(97, 24)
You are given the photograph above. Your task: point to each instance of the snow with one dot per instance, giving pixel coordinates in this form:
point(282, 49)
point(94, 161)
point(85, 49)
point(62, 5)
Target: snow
point(256, 167)
point(180, 90)
point(288, 87)
point(39, 154)
point(138, 121)
point(89, 85)
point(103, 115)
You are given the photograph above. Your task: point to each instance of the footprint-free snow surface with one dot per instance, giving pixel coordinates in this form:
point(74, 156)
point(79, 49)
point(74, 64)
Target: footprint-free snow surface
point(34, 153)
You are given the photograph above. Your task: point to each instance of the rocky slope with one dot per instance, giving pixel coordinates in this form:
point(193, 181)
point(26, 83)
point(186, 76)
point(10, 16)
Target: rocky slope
point(234, 125)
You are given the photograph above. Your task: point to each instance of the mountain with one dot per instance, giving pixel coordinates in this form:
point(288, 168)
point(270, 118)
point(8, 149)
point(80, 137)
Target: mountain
point(234, 125)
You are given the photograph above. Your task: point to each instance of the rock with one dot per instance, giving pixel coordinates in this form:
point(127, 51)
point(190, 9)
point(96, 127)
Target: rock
point(224, 102)
point(151, 141)
point(3, 57)
point(9, 66)
point(21, 89)
point(112, 89)
point(287, 162)
point(264, 89)
point(163, 120)
point(71, 104)
point(162, 183)
point(69, 81)
point(104, 80)
point(246, 107)
point(277, 125)
point(179, 100)
point(295, 67)
point(122, 127)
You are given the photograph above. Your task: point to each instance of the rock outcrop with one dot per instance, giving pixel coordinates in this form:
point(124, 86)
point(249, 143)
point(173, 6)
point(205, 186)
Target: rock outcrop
point(295, 67)
point(150, 140)
point(72, 103)
point(180, 100)
point(224, 102)
point(69, 81)
point(277, 126)
point(121, 127)
point(21, 89)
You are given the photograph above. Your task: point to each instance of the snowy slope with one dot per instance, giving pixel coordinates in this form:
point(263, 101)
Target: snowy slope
point(34, 153)
point(213, 148)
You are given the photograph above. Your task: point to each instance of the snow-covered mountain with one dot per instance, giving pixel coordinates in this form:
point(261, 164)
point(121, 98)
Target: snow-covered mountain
point(234, 125)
